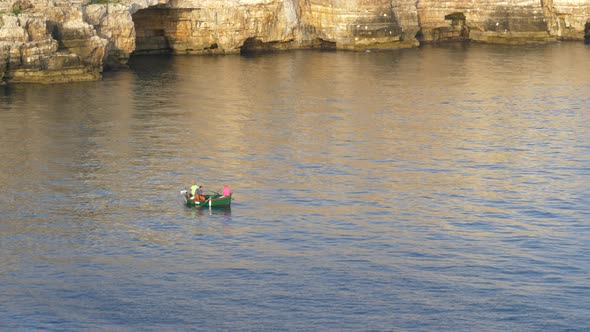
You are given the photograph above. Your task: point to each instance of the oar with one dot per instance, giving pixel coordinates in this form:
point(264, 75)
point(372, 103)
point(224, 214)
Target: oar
point(205, 202)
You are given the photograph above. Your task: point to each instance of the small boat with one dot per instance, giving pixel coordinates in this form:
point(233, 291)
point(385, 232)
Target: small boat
point(211, 200)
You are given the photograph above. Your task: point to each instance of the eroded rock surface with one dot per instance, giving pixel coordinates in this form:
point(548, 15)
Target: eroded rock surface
point(66, 40)
point(48, 42)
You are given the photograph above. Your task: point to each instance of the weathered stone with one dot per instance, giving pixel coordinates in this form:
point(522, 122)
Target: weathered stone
point(113, 23)
point(62, 75)
point(11, 30)
point(35, 28)
point(46, 42)
point(570, 17)
point(79, 38)
point(211, 27)
point(4, 58)
point(485, 21)
point(366, 24)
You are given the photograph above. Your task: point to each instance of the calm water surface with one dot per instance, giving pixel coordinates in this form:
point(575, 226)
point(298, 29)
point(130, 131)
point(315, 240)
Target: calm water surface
point(441, 188)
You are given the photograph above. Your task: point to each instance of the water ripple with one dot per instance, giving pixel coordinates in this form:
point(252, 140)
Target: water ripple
point(385, 191)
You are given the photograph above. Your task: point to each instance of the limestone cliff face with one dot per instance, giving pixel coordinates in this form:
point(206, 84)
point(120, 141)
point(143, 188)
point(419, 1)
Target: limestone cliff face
point(569, 17)
point(363, 24)
point(65, 40)
point(114, 24)
point(47, 42)
point(515, 21)
point(214, 26)
point(487, 21)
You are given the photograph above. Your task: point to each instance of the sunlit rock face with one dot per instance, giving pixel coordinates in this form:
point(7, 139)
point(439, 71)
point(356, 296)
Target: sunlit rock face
point(495, 21)
point(114, 24)
point(207, 26)
point(64, 40)
point(214, 27)
point(43, 43)
point(516, 21)
point(364, 24)
point(570, 17)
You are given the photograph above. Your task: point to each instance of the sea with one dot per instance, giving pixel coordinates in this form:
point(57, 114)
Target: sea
point(441, 188)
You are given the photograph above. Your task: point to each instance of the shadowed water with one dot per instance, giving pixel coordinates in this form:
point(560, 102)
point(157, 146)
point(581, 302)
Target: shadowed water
point(437, 188)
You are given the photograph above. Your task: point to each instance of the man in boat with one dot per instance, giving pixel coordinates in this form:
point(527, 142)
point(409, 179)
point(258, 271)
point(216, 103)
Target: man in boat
point(194, 188)
point(192, 194)
point(199, 195)
point(226, 190)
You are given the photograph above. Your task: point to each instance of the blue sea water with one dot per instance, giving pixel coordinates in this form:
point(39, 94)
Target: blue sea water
point(439, 188)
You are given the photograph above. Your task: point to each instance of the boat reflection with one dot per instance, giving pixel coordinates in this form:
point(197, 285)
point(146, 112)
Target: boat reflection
point(221, 211)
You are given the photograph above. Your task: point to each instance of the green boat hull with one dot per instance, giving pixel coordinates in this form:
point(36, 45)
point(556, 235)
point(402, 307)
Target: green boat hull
point(213, 201)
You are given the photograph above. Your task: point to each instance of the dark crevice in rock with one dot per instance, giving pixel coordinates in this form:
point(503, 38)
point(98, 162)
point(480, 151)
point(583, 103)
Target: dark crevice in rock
point(151, 36)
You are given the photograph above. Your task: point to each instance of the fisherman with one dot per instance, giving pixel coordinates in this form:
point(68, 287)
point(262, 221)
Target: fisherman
point(200, 195)
point(226, 190)
point(194, 188)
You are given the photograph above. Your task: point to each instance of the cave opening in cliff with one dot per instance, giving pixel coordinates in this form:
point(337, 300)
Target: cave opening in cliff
point(457, 30)
point(254, 45)
point(151, 31)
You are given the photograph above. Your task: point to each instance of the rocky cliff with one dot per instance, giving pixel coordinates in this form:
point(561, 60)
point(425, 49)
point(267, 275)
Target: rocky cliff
point(71, 40)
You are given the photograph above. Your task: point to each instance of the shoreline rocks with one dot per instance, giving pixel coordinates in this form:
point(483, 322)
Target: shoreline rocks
point(48, 41)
